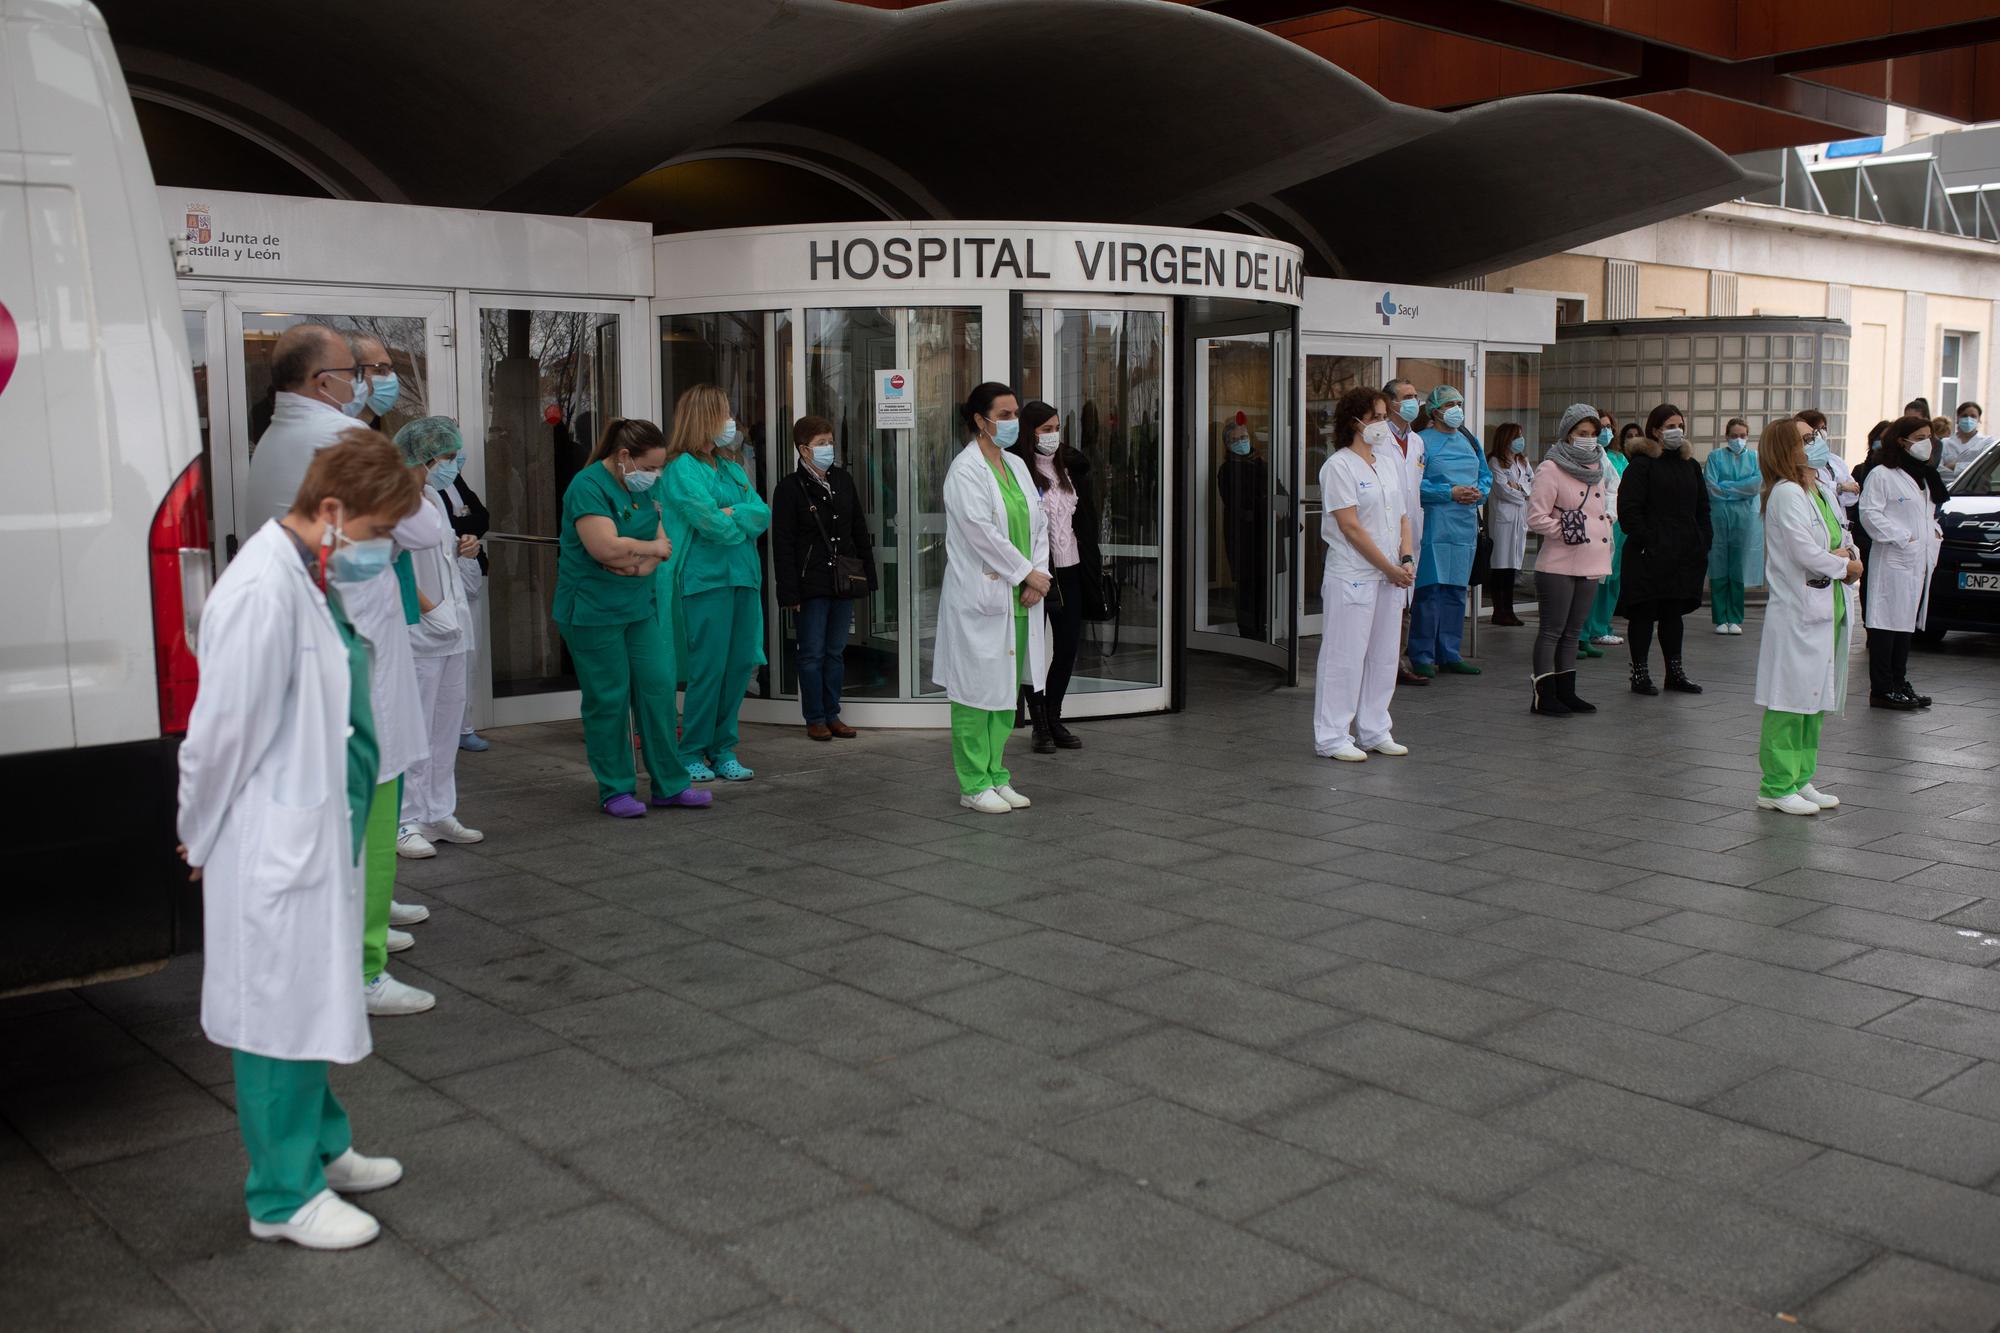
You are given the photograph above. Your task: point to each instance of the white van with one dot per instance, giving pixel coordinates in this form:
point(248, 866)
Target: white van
point(104, 516)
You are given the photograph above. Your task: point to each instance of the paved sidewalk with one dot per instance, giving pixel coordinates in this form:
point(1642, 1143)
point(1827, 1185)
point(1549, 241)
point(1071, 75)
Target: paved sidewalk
point(1542, 1027)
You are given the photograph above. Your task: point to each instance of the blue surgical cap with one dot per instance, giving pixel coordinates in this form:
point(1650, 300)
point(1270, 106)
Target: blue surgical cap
point(428, 438)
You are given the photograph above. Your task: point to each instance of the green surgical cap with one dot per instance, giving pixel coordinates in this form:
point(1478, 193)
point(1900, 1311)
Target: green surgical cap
point(1442, 396)
point(428, 438)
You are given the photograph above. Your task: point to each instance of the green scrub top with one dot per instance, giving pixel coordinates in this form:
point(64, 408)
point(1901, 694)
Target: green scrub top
point(363, 752)
point(1019, 530)
point(713, 549)
point(586, 592)
point(406, 584)
point(1833, 543)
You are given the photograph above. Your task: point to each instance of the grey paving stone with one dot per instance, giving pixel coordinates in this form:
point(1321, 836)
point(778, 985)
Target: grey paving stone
point(1171, 1264)
point(39, 1199)
point(1696, 1235)
point(566, 863)
point(1273, 846)
point(1054, 1021)
point(467, 1180)
point(1608, 949)
point(1237, 870)
point(1975, 1092)
point(1632, 1298)
point(960, 1171)
point(1923, 1138)
point(1923, 904)
point(706, 1176)
point(83, 1279)
point(603, 933)
point(1445, 1073)
point(1003, 1083)
point(1951, 1027)
point(620, 1270)
point(772, 928)
point(1807, 993)
point(1230, 1009)
point(1256, 910)
point(772, 1319)
point(1643, 1062)
point(1426, 951)
point(1467, 1262)
point(131, 1109)
point(526, 983)
point(1198, 1160)
point(510, 899)
point(715, 975)
point(1450, 1154)
point(1355, 1306)
point(562, 1097)
point(1976, 986)
point(1258, 959)
point(1413, 907)
point(1897, 1292)
point(782, 1088)
point(643, 1028)
point(258, 1287)
point(822, 889)
point(1611, 996)
point(72, 1043)
point(1071, 961)
point(846, 1024)
point(1217, 1077)
point(1903, 1210)
point(895, 969)
point(871, 1263)
point(1428, 1004)
point(666, 892)
point(1412, 872)
point(182, 1044)
point(935, 922)
point(1745, 939)
point(1584, 907)
point(872, 855)
point(168, 1205)
point(1654, 1135)
point(1848, 1055)
point(1752, 905)
point(1094, 916)
point(1882, 930)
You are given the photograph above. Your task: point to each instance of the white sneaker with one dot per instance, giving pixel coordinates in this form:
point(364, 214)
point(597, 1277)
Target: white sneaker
point(1387, 745)
point(1722, 629)
point(408, 914)
point(1012, 797)
point(411, 845)
point(351, 1173)
point(388, 997)
point(1819, 798)
point(399, 940)
point(988, 802)
point(327, 1222)
point(1795, 804)
point(1608, 640)
point(1350, 753)
point(449, 829)
point(1735, 628)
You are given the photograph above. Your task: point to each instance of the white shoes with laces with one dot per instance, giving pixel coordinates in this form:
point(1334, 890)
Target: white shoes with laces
point(327, 1222)
point(988, 802)
point(449, 829)
point(408, 914)
point(1795, 804)
point(1387, 745)
point(1013, 798)
point(400, 940)
point(1350, 753)
point(351, 1173)
point(387, 997)
point(1819, 798)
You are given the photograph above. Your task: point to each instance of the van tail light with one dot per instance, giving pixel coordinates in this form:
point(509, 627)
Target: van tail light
point(182, 570)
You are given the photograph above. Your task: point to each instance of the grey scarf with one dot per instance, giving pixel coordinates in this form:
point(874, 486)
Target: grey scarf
point(1586, 465)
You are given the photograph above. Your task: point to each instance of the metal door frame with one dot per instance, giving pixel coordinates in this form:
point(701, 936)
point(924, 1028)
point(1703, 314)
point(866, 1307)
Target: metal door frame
point(1284, 459)
point(1312, 504)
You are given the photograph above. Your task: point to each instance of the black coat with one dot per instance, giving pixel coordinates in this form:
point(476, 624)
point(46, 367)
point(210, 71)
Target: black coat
point(800, 558)
point(473, 522)
point(1089, 559)
point(1663, 509)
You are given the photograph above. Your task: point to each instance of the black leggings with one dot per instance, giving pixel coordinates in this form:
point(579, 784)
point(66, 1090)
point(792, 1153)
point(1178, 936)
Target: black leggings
point(1888, 660)
point(1639, 635)
point(1066, 625)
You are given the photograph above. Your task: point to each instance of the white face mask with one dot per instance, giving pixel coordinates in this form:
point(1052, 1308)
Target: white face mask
point(639, 479)
point(1587, 443)
point(1378, 434)
point(1673, 436)
point(1921, 450)
point(1049, 443)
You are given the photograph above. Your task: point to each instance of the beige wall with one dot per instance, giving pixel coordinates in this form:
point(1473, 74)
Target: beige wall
point(1958, 314)
point(1557, 273)
point(1666, 290)
point(1779, 296)
point(1875, 371)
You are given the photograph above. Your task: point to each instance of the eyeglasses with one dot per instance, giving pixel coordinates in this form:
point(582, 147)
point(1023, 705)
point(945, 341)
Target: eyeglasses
point(376, 367)
point(352, 372)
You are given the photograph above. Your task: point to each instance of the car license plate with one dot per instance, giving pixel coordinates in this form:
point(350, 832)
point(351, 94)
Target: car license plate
point(1979, 582)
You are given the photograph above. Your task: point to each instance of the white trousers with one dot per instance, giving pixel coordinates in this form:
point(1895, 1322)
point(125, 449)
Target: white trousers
point(1357, 663)
point(430, 788)
point(468, 572)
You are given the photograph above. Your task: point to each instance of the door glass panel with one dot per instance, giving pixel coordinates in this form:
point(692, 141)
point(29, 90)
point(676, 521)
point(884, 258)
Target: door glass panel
point(1328, 375)
point(1514, 393)
point(1245, 486)
point(1283, 449)
point(747, 354)
point(1427, 372)
point(549, 384)
point(944, 349)
point(403, 335)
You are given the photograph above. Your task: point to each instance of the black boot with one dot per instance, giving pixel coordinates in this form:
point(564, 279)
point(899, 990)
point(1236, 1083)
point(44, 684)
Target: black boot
point(1503, 604)
point(1038, 714)
point(1548, 697)
point(1566, 691)
point(1642, 680)
point(1677, 678)
point(1909, 691)
point(1064, 738)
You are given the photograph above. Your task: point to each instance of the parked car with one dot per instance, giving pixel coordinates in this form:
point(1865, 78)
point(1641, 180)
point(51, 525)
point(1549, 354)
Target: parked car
point(1965, 591)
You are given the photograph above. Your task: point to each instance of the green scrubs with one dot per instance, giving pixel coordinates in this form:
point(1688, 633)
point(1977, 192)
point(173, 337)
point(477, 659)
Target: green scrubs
point(623, 665)
point(1606, 601)
point(979, 735)
point(1788, 750)
point(378, 870)
point(291, 1122)
point(720, 581)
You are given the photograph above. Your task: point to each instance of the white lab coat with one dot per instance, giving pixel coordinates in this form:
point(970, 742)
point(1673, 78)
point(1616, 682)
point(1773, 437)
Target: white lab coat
point(1507, 514)
point(1801, 664)
point(1956, 455)
point(300, 427)
point(1896, 510)
point(264, 813)
point(444, 630)
point(1834, 475)
point(1411, 446)
point(975, 662)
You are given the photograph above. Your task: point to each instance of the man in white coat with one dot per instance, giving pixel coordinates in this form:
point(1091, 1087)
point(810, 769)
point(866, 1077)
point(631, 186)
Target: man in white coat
point(321, 390)
point(276, 777)
point(1404, 404)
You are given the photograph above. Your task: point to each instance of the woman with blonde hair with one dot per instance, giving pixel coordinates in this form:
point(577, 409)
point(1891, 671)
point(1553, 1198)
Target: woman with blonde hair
point(1802, 655)
point(713, 519)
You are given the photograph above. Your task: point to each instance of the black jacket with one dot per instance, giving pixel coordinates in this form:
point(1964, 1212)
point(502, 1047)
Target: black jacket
point(473, 522)
point(799, 555)
point(1663, 508)
point(1089, 559)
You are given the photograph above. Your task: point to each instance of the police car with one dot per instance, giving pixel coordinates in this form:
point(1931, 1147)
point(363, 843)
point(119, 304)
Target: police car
point(1965, 591)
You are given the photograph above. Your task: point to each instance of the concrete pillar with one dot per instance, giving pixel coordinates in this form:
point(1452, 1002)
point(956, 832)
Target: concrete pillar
point(1919, 377)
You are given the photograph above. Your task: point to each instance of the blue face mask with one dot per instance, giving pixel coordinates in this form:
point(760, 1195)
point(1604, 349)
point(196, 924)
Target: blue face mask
point(1453, 417)
point(1519, 446)
point(822, 456)
point(1968, 425)
point(1818, 454)
point(1408, 408)
point(358, 404)
point(358, 562)
point(445, 471)
point(726, 437)
point(1239, 447)
point(1736, 443)
point(1604, 438)
point(385, 393)
point(1005, 433)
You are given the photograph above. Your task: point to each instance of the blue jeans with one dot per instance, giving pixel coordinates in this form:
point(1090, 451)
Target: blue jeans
point(822, 624)
point(1437, 624)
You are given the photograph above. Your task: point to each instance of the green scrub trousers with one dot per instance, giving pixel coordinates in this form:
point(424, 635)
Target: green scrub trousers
point(1725, 601)
point(725, 629)
point(292, 1127)
point(623, 670)
point(979, 735)
point(1788, 750)
point(379, 877)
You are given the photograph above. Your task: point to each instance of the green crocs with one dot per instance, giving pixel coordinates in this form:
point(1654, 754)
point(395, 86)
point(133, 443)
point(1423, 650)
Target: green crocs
point(1459, 668)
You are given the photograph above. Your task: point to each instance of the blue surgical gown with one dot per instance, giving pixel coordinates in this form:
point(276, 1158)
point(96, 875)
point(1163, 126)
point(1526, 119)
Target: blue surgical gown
point(1451, 530)
point(1735, 486)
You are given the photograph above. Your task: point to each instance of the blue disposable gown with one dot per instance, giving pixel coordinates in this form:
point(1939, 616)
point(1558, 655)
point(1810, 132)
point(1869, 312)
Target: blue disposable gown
point(1735, 484)
point(1451, 530)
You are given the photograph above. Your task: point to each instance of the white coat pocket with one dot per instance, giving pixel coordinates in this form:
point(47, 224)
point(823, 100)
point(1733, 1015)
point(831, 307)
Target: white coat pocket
point(995, 597)
point(286, 854)
point(1817, 606)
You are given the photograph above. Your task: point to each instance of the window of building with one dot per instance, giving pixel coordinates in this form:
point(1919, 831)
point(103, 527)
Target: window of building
point(1958, 354)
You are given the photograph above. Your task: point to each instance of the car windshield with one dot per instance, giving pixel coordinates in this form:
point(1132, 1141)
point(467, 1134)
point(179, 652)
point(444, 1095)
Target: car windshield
point(1982, 477)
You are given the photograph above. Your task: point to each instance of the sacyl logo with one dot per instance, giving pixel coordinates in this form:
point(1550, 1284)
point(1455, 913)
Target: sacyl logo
point(1388, 309)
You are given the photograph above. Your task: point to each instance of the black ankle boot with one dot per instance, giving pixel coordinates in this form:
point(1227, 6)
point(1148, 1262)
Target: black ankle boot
point(1548, 697)
point(1566, 691)
point(1642, 680)
point(1064, 738)
point(1677, 678)
point(1038, 715)
point(1909, 691)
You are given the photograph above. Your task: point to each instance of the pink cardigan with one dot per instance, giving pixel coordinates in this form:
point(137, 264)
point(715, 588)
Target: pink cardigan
point(1555, 488)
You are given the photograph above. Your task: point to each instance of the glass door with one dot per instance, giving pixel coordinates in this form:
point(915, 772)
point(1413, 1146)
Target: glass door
point(1333, 367)
point(1428, 365)
point(1245, 522)
point(208, 361)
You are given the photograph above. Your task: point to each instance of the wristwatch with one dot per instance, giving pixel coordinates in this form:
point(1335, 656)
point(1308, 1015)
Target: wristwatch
point(1407, 560)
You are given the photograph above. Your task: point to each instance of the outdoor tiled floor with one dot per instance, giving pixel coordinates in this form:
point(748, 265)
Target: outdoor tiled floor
point(1541, 1027)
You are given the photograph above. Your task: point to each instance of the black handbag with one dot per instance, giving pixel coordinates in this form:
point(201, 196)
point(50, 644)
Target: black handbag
point(1482, 555)
point(1100, 596)
point(850, 575)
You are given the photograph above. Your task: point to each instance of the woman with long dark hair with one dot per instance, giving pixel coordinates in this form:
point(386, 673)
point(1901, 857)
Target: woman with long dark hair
point(1507, 517)
point(1896, 509)
point(1663, 507)
point(1062, 485)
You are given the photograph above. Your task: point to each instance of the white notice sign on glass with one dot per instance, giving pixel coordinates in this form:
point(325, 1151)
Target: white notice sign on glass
point(895, 400)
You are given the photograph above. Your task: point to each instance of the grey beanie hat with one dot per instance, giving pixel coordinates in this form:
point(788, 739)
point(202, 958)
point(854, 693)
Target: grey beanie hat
point(1572, 414)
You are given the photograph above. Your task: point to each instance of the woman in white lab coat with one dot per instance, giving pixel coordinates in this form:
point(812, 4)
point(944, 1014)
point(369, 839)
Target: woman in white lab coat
point(991, 623)
point(276, 777)
point(439, 641)
point(1897, 512)
point(1811, 572)
point(1507, 517)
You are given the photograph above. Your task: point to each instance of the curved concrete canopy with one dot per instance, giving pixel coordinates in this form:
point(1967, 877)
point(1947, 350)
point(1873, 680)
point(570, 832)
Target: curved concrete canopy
point(1085, 110)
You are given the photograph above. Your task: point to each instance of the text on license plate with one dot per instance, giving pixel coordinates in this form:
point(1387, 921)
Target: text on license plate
point(1980, 582)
